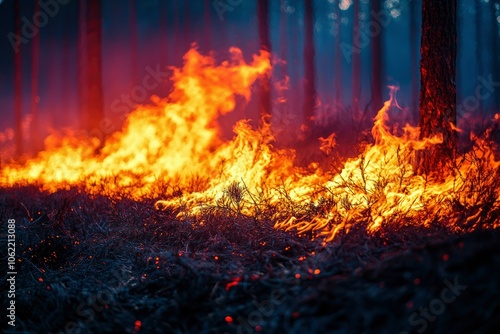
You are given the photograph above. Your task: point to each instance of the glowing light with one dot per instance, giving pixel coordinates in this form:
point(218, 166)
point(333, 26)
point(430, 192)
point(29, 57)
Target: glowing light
point(345, 4)
point(395, 13)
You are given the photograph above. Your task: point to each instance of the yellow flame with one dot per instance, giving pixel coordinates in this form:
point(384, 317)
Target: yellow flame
point(176, 141)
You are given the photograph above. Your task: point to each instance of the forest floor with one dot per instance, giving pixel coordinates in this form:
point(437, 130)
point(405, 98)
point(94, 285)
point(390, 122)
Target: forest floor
point(93, 264)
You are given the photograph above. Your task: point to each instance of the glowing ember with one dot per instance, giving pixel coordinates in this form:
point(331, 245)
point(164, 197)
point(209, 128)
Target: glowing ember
point(177, 142)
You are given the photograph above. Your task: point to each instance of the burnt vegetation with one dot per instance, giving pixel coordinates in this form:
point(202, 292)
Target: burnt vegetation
point(94, 263)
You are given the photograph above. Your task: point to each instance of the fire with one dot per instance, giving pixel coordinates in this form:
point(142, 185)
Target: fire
point(176, 142)
point(174, 138)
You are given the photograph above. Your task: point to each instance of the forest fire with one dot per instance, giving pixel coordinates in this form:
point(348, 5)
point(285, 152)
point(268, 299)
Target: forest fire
point(232, 167)
point(176, 142)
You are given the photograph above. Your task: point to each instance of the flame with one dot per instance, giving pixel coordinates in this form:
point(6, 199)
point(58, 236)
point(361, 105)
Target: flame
point(175, 143)
point(173, 138)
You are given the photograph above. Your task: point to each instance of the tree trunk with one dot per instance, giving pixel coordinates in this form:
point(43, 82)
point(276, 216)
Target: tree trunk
point(355, 59)
point(207, 23)
point(414, 26)
point(133, 42)
point(65, 65)
point(479, 44)
point(18, 84)
point(495, 50)
point(94, 74)
point(82, 62)
point(377, 64)
point(437, 90)
point(35, 73)
point(338, 60)
point(265, 44)
point(186, 23)
point(164, 33)
point(283, 38)
point(310, 75)
point(176, 31)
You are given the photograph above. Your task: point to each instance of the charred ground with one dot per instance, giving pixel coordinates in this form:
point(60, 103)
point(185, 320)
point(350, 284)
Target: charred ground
point(97, 264)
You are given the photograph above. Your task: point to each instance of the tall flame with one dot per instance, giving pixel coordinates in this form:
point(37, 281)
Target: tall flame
point(174, 138)
point(176, 142)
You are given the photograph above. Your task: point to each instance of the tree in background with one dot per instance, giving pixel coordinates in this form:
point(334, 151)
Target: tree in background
point(82, 61)
point(495, 51)
point(377, 64)
point(18, 84)
point(338, 59)
point(283, 36)
point(163, 7)
point(207, 9)
point(35, 73)
point(94, 94)
point(479, 43)
point(66, 64)
point(265, 44)
point(133, 41)
point(437, 82)
point(415, 10)
point(355, 59)
point(309, 68)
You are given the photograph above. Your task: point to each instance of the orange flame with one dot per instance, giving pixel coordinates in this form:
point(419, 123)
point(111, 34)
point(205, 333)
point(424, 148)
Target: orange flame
point(172, 139)
point(176, 141)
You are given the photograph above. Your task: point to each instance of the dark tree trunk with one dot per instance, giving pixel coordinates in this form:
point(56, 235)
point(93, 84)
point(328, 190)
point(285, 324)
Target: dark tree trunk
point(94, 74)
point(207, 23)
point(66, 77)
point(355, 59)
point(310, 75)
point(377, 64)
point(414, 28)
point(35, 73)
point(338, 60)
point(186, 23)
point(82, 62)
point(283, 37)
point(265, 44)
point(283, 30)
point(176, 32)
point(479, 44)
point(133, 42)
point(18, 84)
point(164, 33)
point(437, 87)
point(495, 51)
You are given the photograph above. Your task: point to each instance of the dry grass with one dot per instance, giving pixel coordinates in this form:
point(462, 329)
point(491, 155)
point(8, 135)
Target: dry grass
point(90, 263)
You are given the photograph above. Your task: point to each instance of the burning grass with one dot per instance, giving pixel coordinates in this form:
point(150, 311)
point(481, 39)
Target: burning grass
point(97, 264)
point(176, 141)
point(170, 228)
